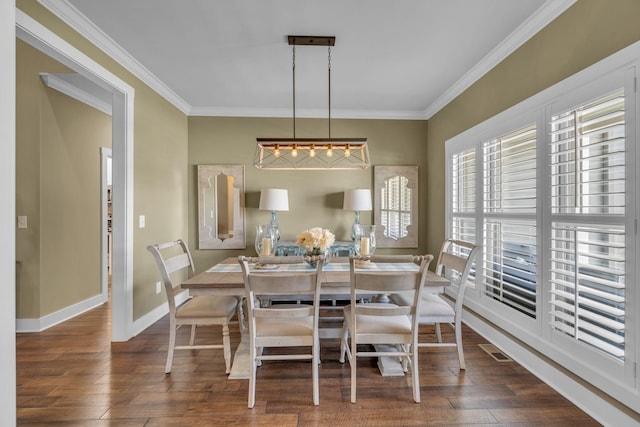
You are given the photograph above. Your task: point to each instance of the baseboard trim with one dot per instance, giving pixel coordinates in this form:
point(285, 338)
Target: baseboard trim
point(588, 398)
point(43, 323)
point(142, 323)
point(139, 325)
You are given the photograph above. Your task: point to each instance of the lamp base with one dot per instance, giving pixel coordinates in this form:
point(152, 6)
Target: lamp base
point(274, 227)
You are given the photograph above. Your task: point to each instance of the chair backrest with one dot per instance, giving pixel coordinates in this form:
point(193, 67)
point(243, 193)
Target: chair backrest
point(367, 281)
point(172, 257)
point(274, 283)
point(454, 262)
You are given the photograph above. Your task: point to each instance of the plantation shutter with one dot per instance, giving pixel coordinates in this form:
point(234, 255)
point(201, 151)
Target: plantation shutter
point(587, 157)
point(396, 206)
point(509, 205)
point(463, 203)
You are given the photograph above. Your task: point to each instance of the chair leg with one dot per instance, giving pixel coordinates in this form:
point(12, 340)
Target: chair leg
point(343, 347)
point(252, 376)
point(318, 355)
point(438, 333)
point(415, 376)
point(172, 345)
point(240, 314)
point(259, 353)
point(352, 361)
point(314, 372)
point(192, 338)
point(459, 345)
point(403, 359)
point(226, 344)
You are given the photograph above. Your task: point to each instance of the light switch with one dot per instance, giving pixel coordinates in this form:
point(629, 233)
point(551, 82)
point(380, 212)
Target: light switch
point(141, 221)
point(22, 221)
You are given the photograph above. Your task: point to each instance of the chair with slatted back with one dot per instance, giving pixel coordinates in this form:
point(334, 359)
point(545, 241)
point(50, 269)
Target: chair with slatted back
point(174, 259)
point(282, 325)
point(454, 262)
point(388, 324)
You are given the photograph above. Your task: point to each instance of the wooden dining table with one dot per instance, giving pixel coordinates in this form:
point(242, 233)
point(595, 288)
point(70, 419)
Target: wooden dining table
point(225, 278)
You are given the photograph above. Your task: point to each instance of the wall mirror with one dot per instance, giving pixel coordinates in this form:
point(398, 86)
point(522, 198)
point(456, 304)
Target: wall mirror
point(396, 206)
point(221, 213)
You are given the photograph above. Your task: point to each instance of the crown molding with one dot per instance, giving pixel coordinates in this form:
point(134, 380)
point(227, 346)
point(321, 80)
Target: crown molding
point(536, 22)
point(306, 113)
point(76, 20)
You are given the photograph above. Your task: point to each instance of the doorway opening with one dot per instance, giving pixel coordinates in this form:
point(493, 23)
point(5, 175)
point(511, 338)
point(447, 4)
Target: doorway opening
point(41, 38)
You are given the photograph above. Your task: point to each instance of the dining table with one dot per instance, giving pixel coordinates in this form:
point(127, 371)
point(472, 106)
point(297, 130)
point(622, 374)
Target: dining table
point(225, 278)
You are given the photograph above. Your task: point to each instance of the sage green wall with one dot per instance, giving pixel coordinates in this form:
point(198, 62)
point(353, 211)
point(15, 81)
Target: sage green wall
point(160, 159)
point(315, 197)
point(70, 214)
point(587, 32)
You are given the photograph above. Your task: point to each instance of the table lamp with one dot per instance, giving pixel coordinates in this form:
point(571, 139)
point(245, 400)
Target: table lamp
point(357, 200)
point(274, 199)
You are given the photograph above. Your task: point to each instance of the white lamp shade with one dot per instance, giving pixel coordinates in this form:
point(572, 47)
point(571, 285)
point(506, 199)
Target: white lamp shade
point(274, 199)
point(357, 200)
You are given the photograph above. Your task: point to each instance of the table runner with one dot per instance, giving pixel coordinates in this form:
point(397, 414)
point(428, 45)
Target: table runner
point(332, 266)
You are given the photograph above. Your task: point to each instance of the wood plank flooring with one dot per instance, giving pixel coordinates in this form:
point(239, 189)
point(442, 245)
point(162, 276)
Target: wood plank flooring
point(72, 375)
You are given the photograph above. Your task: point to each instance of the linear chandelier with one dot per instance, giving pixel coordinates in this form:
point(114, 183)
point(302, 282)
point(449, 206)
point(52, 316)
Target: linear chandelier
point(311, 153)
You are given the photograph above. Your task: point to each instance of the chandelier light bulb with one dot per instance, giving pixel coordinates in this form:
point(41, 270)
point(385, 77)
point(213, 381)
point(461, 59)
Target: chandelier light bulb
point(347, 151)
point(276, 152)
point(312, 151)
point(330, 151)
point(294, 151)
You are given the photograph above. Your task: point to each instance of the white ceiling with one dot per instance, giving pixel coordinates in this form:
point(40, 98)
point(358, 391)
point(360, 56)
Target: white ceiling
point(392, 59)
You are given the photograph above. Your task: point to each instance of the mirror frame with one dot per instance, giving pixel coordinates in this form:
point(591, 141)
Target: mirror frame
point(205, 240)
point(381, 174)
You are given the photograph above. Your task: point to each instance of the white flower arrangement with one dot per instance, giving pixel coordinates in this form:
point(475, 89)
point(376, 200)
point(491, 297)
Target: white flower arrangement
point(315, 240)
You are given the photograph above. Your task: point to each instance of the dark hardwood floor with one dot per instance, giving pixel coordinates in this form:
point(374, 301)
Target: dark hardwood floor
point(72, 375)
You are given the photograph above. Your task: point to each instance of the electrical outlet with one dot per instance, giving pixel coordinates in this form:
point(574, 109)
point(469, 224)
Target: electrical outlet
point(158, 287)
point(22, 221)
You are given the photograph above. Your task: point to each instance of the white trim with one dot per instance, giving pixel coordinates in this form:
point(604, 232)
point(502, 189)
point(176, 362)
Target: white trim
point(57, 82)
point(306, 113)
point(122, 218)
point(596, 405)
point(39, 325)
point(536, 22)
point(8, 213)
point(35, 34)
point(76, 20)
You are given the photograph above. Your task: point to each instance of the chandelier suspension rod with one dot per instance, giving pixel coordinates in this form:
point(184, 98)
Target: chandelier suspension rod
point(294, 89)
point(329, 70)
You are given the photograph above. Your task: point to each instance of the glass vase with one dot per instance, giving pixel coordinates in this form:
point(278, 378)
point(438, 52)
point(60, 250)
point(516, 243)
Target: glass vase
point(266, 240)
point(309, 256)
point(365, 244)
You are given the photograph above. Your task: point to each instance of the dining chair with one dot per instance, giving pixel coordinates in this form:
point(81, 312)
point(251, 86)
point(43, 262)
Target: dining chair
point(454, 263)
point(174, 260)
point(282, 325)
point(389, 324)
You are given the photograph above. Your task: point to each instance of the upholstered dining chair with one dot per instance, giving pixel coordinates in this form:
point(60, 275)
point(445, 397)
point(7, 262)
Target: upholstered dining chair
point(391, 324)
point(454, 262)
point(174, 260)
point(282, 325)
